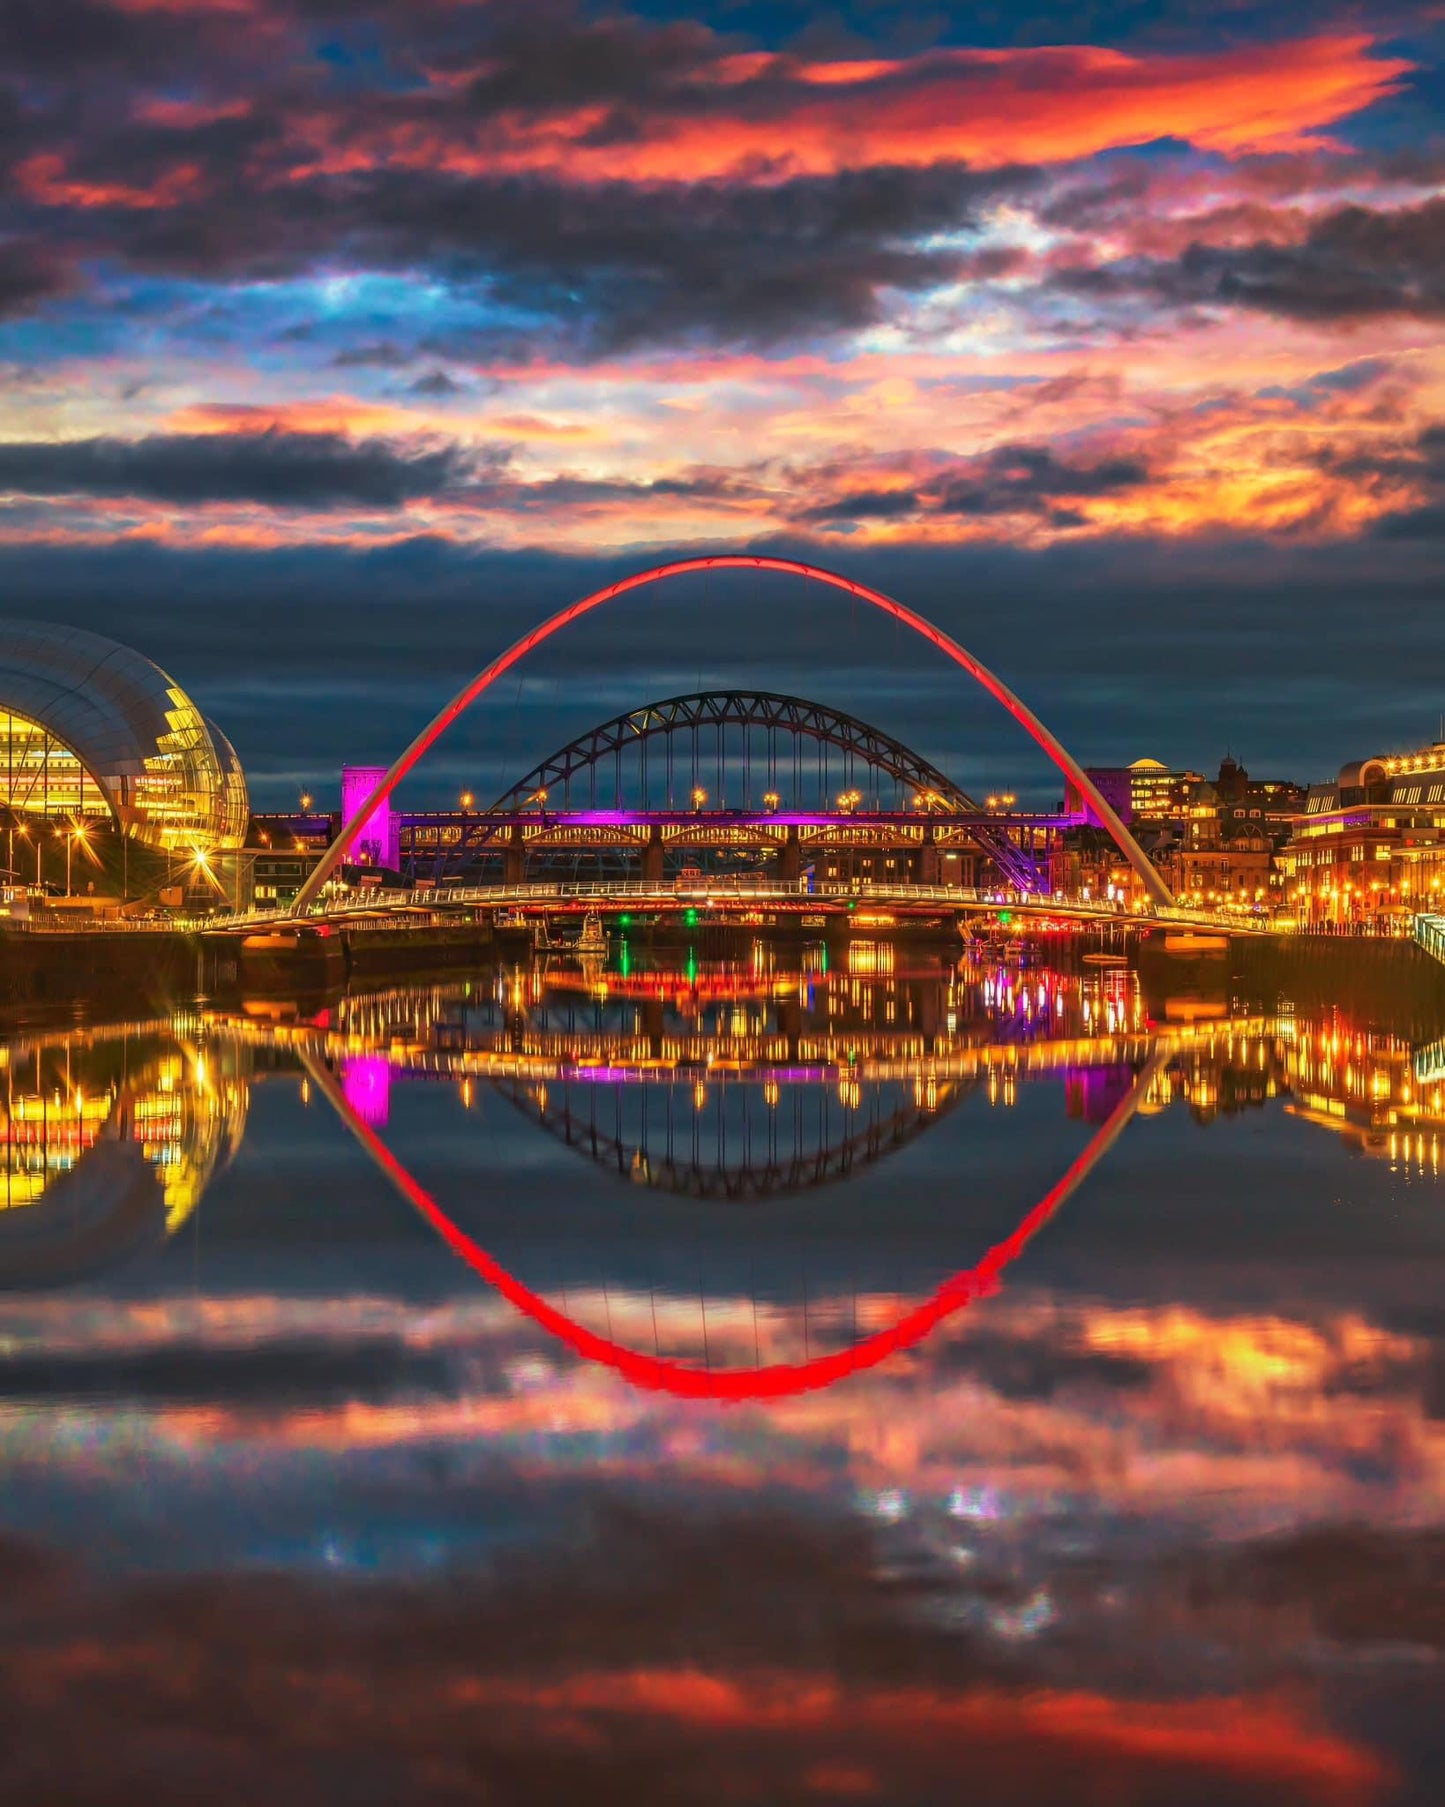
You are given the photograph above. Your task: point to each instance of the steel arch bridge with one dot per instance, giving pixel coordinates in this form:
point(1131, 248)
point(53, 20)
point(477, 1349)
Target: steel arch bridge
point(751, 1178)
point(920, 787)
point(1153, 884)
point(746, 709)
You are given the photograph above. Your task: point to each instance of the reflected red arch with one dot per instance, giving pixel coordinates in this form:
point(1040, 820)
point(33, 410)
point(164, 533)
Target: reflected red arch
point(782, 1380)
point(1143, 868)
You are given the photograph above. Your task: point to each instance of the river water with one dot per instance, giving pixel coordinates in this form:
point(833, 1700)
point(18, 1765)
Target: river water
point(731, 1381)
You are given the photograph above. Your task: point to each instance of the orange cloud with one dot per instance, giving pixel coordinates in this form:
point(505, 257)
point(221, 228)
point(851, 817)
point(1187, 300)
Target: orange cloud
point(42, 178)
point(322, 414)
point(987, 108)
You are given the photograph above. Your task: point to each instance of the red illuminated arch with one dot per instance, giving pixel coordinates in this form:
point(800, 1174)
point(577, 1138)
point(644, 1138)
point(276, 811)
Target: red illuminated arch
point(660, 1374)
point(1153, 884)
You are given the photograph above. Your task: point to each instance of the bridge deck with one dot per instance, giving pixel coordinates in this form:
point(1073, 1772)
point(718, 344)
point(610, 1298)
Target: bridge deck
point(729, 894)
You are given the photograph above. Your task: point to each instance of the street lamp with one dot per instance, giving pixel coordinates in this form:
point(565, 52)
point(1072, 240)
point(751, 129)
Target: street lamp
point(466, 800)
point(25, 836)
point(699, 796)
point(306, 801)
point(771, 800)
point(76, 833)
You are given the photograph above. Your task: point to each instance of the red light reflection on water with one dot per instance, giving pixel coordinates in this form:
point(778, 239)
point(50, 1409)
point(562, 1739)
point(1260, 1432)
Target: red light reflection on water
point(780, 1380)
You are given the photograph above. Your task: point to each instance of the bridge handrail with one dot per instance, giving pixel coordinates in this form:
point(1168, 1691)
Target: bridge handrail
point(1428, 930)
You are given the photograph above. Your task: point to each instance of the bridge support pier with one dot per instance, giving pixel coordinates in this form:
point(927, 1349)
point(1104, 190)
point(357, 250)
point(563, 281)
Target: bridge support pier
point(790, 861)
point(929, 865)
point(790, 1024)
point(652, 856)
point(652, 1026)
point(514, 861)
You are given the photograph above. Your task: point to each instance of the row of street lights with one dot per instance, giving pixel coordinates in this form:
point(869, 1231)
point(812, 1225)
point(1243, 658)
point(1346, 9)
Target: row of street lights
point(77, 834)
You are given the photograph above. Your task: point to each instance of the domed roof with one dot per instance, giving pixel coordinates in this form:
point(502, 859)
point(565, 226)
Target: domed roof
point(133, 728)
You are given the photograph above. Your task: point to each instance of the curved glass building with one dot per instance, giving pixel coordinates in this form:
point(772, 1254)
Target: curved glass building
point(90, 728)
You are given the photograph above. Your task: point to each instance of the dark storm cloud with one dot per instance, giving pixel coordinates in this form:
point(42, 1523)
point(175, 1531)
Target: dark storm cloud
point(600, 267)
point(1023, 1368)
point(280, 1374)
point(1012, 479)
point(58, 38)
point(1395, 471)
point(1427, 468)
point(1261, 648)
point(1355, 263)
point(275, 468)
point(225, 193)
point(29, 274)
point(551, 59)
point(300, 173)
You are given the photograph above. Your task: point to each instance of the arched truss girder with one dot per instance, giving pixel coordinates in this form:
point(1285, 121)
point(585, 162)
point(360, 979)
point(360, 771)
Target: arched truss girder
point(781, 1380)
point(740, 709)
point(777, 713)
point(746, 1181)
point(1103, 810)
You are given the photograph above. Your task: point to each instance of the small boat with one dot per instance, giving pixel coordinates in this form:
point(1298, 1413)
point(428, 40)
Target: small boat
point(1106, 959)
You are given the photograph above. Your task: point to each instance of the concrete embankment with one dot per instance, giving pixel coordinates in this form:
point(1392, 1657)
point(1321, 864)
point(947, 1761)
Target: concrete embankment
point(41, 972)
point(157, 969)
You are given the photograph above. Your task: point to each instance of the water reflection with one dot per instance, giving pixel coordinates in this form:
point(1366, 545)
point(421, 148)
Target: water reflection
point(111, 1135)
point(1162, 1504)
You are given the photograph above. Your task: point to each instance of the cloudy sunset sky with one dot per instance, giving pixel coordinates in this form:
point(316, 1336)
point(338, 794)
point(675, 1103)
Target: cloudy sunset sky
point(1041, 316)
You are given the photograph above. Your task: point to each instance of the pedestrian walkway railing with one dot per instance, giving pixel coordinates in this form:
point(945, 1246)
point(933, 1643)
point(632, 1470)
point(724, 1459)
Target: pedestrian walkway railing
point(1429, 931)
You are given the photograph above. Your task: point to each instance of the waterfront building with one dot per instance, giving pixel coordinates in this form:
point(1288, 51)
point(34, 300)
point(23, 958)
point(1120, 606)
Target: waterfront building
point(1217, 862)
point(1147, 793)
point(1371, 845)
point(1215, 843)
point(95, 735)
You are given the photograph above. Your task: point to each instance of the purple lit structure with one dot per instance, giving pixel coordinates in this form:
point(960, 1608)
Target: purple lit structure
point(377, 840)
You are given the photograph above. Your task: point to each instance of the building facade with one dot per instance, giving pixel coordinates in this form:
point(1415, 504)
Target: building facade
point(92, 732)
point(1370, 847)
